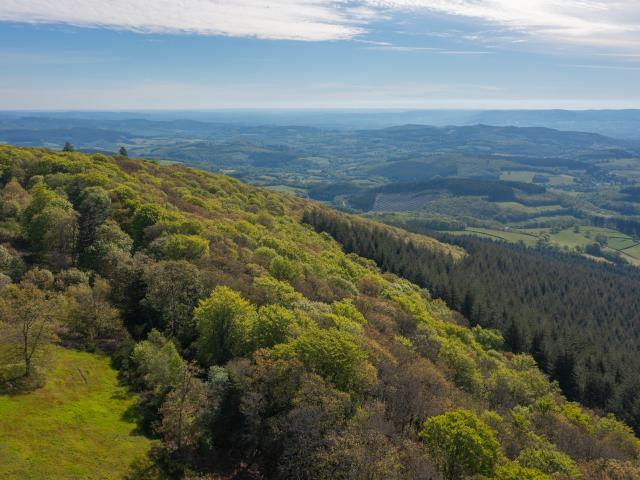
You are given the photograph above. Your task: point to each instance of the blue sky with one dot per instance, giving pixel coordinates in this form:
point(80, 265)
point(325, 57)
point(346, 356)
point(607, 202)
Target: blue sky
point(206, 54)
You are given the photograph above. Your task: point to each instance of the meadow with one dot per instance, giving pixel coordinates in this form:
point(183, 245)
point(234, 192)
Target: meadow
point(569, 239)
point(78, 426)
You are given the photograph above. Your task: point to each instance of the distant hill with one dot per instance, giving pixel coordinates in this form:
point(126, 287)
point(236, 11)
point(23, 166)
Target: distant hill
point(614, 123)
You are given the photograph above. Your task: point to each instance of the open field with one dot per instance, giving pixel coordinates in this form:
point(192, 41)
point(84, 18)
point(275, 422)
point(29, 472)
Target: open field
point(519, 207)
point(506, 235)
point(527, 177)
point(77, 426)
point(624, 245)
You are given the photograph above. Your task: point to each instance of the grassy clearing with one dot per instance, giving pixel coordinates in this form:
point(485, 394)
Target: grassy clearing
point(587, 235)
point(507, 235)
point(618, 242)
point(527, 177)
point(75, 427)
point(519, 207)
point(561, 180)
point(518, 176)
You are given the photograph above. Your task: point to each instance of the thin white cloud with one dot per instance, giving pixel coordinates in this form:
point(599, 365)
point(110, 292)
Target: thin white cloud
point(595, 22)
point(401, 48)
point(464, 52)
point(431, 50)
point(612, 23)
point(603, 67)
point(312, 20)
point(16, 57)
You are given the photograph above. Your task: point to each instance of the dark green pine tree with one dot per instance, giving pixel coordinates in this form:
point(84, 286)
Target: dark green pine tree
point(538, 351)
point(68, 147)
point(467, 308)
point(564, 371)
point(123, 152)
point(513, 338)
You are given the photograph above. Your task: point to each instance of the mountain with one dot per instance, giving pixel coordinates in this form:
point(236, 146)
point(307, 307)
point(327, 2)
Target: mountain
point(259, 348)
point(622, 124)
point(614, 123)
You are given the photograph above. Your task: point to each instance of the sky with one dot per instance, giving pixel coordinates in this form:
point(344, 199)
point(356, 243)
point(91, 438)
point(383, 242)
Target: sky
point(316, 54)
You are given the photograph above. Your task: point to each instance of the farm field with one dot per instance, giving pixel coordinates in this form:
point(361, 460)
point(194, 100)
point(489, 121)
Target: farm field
point(507, 235)
point(527, 209)
point(75, 427)
point(568, 238)
point(527, 177)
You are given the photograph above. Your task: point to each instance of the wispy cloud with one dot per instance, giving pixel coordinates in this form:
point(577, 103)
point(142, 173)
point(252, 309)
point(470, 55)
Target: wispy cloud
point(603, 67)
point(312, 20)
point(463, 52)
point(401, 48)
point(17, 57)
point(593, 22)
point(433, 50)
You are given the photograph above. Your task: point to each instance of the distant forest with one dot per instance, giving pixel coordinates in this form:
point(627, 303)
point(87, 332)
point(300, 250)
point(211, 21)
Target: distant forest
point(577, 318)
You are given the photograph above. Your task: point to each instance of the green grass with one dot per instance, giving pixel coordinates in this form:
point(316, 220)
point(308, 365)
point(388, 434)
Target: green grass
point(568, 238)
point(587, 236)
point(519, 207)
point(75, 427)
point(518, 176)
point(507, 235)
point(527, 177)
point(560, 180)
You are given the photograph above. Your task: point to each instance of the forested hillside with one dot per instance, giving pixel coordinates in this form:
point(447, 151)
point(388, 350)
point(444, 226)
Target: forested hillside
point(257, 347)
point(579, 319)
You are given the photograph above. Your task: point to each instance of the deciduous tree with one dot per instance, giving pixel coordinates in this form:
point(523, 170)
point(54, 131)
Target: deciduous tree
point(461, 445)
point(90, 316)
point(224, 323)
point(173, 291)
point(29, 321)
point(182, 409)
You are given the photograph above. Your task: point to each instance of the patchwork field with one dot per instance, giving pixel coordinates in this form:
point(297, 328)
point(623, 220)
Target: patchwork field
point(78, 426)
point(570, 238)
point(528, 177)
point(519, 207)
point(401, 202)
point(506, 235)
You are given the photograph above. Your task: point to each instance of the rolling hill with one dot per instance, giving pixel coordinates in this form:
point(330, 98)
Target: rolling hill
point(258, 347)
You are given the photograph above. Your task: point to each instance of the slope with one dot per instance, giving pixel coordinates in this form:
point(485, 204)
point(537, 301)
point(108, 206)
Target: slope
point(261, 349)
